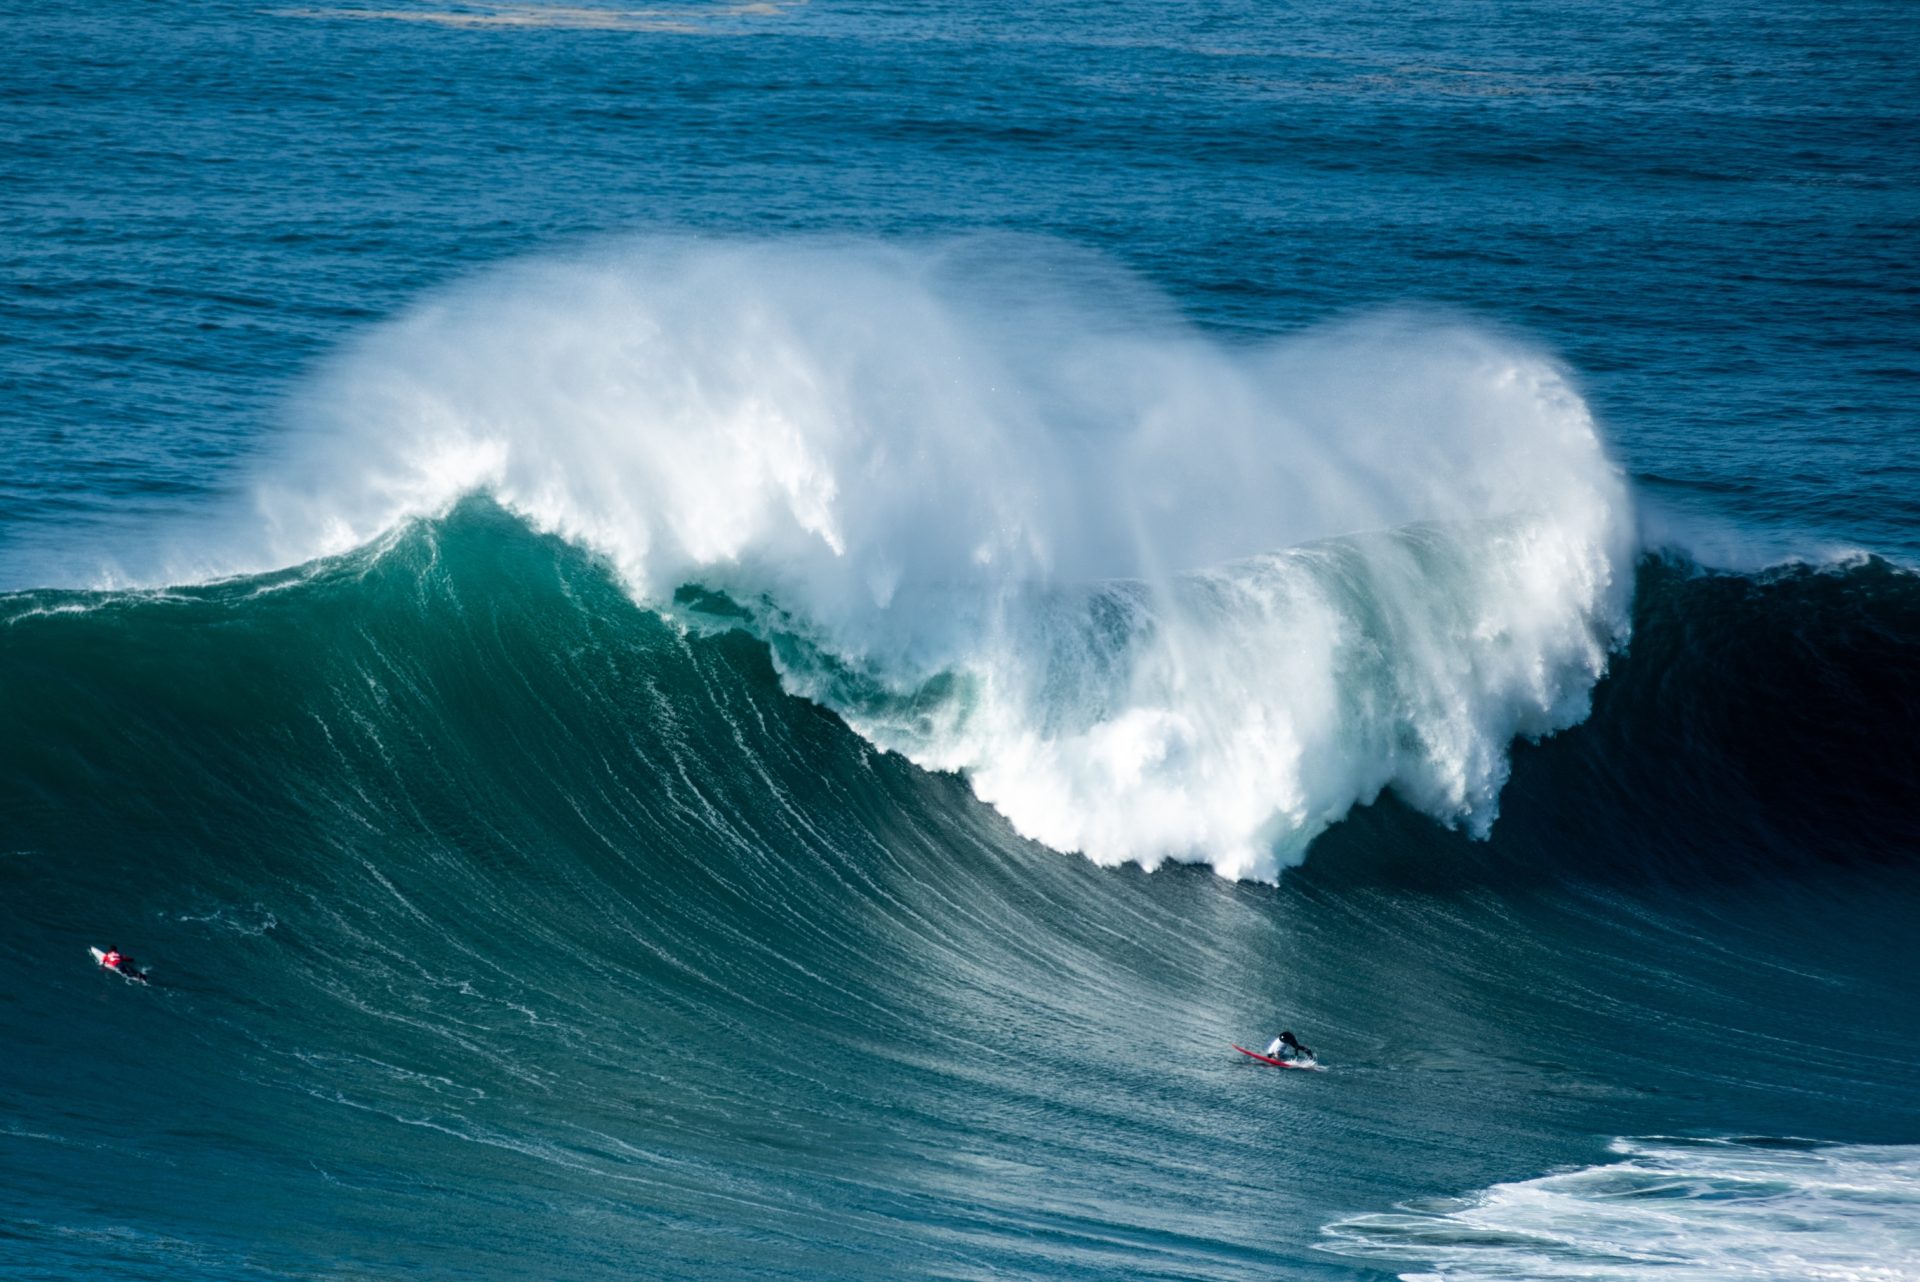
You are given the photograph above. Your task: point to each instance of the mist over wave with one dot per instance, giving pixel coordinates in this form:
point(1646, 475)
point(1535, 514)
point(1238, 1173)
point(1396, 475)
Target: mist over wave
point(1157, 595)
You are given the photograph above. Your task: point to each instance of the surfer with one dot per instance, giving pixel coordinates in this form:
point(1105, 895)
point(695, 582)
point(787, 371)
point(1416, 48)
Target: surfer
point(1288, 1047)
point(121, 964)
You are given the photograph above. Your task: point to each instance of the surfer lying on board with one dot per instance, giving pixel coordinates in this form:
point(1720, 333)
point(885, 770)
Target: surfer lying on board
point(121, 964)
point(1287, 1047)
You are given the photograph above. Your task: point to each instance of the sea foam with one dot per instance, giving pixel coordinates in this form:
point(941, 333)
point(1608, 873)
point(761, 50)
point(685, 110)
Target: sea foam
point(1158, 594)
point(1679, 1209)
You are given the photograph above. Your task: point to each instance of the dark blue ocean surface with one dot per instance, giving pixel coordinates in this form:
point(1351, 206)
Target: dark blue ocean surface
point(578, 580)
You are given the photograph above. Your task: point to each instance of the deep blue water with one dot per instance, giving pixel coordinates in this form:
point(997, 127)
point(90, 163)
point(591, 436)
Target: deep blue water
point(483, 488)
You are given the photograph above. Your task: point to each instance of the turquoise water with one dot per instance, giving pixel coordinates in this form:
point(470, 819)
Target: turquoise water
point(737, 640)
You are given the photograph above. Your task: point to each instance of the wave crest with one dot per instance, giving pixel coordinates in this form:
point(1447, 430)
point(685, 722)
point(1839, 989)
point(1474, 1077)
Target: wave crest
point(1159, 596)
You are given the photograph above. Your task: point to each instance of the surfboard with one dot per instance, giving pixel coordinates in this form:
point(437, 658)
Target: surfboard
point(131, 976)
point(1277, 1063)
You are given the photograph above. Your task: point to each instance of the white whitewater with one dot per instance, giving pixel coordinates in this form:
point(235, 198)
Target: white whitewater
point(1675, 1210)
point(1158, 594)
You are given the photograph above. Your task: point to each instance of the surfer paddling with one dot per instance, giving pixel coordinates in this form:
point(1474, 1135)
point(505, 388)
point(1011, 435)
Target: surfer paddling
point(120, 964)
point(1284, 1051)
point(1288, 1047)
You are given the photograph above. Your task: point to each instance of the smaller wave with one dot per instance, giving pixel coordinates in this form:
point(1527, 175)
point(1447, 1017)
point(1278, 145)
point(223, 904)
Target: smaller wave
point(1715, 543)
point(1687, 1210)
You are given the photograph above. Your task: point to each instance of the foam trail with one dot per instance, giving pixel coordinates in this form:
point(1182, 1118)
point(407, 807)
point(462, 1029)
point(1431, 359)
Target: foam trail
point(992, 500)
point(1686, 1210)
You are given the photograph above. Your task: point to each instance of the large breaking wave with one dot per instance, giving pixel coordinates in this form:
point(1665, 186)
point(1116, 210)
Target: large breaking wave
point(1157, 595)
point(458, 869)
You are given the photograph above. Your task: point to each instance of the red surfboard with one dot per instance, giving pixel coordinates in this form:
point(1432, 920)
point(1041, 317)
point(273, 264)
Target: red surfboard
point(1277, 1063)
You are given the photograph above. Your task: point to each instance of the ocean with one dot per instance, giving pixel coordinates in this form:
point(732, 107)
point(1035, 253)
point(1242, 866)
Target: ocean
point(740, 640)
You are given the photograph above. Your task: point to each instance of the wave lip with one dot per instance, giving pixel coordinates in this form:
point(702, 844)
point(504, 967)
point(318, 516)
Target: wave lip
point(1690, 1210)
point(1157, 595)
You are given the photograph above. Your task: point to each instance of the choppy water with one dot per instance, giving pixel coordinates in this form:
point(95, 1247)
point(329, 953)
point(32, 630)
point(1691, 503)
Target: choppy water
point(576, 577)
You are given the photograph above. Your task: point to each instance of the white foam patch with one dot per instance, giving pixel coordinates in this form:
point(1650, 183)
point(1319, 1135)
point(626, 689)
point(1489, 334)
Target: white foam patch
point(1158, 595)
point(1675, 1210)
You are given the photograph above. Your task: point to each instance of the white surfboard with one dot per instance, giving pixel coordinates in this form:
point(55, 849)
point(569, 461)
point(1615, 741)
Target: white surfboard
point(131, 976)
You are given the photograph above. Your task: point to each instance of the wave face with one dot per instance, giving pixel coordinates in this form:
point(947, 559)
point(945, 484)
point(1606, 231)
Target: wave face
point(1155, 595)
point(479, 896)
